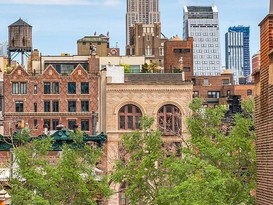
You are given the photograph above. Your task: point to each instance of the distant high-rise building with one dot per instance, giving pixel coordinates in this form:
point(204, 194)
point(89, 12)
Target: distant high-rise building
point(237, 51)
point(141, 11)
point(3, 48)
point(201, 23)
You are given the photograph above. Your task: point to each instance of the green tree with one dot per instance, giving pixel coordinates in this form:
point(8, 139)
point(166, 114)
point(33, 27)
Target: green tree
point(217, 164)
point(69, 179)
point(126, 68)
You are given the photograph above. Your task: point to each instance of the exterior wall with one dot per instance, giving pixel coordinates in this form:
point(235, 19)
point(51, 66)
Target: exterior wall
point(204, 84)
point(201, 23)
point(133, 61)
point(86, 45)
point(146, 41)
point(264, 117)
point(141, 11)
point(255, 64)
point(171, 58)
point(149, 98)
point(49, 75)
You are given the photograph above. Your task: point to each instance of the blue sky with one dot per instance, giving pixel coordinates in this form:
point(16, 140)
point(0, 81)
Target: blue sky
point(58, 24)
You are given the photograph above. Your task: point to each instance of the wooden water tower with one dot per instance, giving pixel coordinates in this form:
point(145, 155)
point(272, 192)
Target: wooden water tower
point(20, 40)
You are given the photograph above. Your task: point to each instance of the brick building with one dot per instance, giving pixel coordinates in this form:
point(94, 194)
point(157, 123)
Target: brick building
point(162, 96)
point(264, 106)
point(178, 55)
point(66, 94)
point(214, 90)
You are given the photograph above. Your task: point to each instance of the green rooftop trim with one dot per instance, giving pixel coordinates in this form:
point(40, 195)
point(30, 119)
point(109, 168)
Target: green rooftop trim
point(60, 137)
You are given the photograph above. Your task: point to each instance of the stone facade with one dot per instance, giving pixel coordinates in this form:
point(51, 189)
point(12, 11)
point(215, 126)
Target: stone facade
point(149, 94)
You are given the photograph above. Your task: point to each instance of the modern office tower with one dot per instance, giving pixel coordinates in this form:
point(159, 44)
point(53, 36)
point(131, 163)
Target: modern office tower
point(201, 23)
point(237, 51)
point(141, 11)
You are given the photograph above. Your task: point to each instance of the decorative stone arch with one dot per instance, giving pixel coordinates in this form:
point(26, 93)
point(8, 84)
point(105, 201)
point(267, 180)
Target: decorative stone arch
point(181, 108)
point(117, 109)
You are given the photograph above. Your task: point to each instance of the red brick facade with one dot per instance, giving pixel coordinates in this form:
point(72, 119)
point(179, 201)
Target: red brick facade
point(264, 117)
point(176, 48)
point(214, 90)
point(33, 100)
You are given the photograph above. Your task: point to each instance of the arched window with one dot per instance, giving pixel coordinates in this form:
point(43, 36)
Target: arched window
point(122, 197)
point(129, 117)
point(169, 119)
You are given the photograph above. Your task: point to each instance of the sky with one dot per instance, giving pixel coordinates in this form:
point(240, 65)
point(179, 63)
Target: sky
point(58, 24)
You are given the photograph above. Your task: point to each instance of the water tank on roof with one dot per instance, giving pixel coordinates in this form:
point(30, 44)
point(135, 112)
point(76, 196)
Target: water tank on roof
point(20, 36)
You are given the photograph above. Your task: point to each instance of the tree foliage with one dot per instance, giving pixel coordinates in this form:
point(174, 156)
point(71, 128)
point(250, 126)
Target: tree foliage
point(68, 179)
point(216, 167)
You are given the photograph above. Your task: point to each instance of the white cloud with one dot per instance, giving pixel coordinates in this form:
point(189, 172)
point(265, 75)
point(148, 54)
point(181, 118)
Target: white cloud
point(63, 2)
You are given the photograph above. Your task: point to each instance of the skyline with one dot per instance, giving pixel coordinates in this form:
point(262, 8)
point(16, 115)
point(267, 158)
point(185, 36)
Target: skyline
point(58, 24)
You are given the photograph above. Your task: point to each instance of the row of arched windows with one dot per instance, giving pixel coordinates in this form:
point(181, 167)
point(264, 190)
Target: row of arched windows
point(168, 118)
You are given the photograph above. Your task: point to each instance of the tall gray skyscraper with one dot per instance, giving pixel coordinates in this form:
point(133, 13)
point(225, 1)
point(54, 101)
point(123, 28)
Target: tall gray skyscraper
point(141, 11)
point(237, 51)
point(201, 23)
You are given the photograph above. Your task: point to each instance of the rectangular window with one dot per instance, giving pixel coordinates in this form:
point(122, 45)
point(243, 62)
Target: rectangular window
point(84, 88)
point(35, 107)
point(46, 87)
point(71, 106)
point(213, 94)
point(47, 123)
point(85, 106)
point(225, 82)
point(71, 124)
point(187, 69)
point(55, 88)
point(55, 106)
point(71, 88)
point(19, 106)
point(54, 124)
point(46, 106)
point(23, 88)
point(15, 88)
point(85, 125)
point(35, 124)
point(181, 50)
point(35, 89)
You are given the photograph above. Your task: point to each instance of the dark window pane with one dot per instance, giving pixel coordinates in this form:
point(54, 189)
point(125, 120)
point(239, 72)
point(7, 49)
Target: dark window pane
point(46, 106)
point(35, 107)
point(71, 88)
point(122, 122)
point(71, 106)
point(55, 88)
point(55, 105)
point(46, 87)
point(85, 106)
point(47, 123)
point(71, 124)
point(130, 108)
point(54, 124)
point(84, 88)
point(19, 106)
point(35, 123)
point(85, 125)
point(130, 122)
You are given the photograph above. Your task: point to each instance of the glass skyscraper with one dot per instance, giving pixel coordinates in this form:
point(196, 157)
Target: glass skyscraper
point(237, 51)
